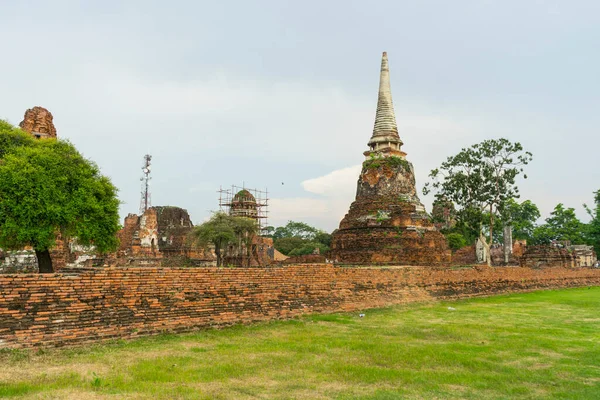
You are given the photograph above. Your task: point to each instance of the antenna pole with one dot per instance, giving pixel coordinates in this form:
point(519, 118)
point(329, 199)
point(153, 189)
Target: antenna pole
point(145, 202)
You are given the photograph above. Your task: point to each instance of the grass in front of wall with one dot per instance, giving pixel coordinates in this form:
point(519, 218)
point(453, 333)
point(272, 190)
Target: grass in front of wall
point(535, 345)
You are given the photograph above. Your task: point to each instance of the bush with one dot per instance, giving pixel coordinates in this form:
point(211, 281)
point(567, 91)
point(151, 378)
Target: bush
point(456, 241)
point(309, 248)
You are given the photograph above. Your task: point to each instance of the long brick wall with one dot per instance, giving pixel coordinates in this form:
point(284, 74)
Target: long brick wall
point(54, 310)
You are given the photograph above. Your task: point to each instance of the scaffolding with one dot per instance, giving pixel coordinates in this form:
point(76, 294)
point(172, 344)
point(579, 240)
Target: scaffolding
point(235, 202)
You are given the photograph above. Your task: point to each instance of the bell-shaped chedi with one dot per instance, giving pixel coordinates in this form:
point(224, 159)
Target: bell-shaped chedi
point(387, 224)
point(38, 122)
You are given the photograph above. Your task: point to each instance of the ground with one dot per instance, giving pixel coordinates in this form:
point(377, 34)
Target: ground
point(535, 345)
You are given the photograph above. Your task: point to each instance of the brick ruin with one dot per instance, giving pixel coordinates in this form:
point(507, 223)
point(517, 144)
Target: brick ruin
point(161, 232)
point(262, 251)
point(558, 255)
point(387, 224)
point(39, 122)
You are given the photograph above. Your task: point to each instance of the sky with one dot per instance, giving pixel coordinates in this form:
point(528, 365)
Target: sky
point(282, 95)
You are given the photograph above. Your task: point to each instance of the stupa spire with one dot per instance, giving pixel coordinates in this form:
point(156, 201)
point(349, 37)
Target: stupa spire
point(385, 136)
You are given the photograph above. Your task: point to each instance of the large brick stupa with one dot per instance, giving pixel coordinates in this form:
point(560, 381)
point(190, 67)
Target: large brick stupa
point(387, 224)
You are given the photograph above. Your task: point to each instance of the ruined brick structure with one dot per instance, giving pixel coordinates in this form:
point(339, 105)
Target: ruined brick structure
point(547, 256)
point(38, 122)
point(243, 204)
point(57, 309)
point(161, 232)
point(568, 256)
point(585, 255)
point(261, 251)
point(387, 224)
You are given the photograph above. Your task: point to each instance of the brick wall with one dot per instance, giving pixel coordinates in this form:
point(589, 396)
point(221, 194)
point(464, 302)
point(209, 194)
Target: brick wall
point(55, 309)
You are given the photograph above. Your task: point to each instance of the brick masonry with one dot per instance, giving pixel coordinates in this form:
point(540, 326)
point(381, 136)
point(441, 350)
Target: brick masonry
point(60, 309)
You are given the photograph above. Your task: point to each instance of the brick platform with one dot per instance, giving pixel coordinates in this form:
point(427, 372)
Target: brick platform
point(55, 309)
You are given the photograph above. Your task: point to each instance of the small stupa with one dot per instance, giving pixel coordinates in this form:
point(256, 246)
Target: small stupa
point(39, 123)
point(387, 223)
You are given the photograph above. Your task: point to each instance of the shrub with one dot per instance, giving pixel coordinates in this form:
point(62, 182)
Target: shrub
point(456, 241)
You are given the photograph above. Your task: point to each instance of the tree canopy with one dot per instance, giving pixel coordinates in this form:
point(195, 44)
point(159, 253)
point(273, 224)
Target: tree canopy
point(521, 217)
point(480, 179)
point(561, 225)
point(299, 238)
point(222, 229)
point(47, 187)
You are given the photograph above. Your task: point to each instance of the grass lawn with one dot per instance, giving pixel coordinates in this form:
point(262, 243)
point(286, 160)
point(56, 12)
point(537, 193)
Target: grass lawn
point(535, 345)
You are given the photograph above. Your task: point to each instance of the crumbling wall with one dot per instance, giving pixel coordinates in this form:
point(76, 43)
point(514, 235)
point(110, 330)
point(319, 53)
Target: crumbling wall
point(260, 254)
point(65, 253)
point(465, 256)
point(161, 232)
point(58, 309)
point(585, 256)
point(547, 256)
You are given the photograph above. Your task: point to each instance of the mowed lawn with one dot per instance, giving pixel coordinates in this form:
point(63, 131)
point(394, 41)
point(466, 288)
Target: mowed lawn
point(535, 345)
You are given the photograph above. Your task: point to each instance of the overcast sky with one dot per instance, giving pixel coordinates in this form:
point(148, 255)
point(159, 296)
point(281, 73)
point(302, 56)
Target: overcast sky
point(282, 95)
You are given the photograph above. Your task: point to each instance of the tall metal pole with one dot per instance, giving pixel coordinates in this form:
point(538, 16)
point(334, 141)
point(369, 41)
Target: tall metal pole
point(145, 201)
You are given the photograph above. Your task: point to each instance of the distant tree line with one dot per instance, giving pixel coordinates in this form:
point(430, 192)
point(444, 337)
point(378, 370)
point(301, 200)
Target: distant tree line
point(476, 198)
point(299, 238)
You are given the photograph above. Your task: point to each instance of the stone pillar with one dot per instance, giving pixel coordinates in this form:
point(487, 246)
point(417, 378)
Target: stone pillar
point(507, 243)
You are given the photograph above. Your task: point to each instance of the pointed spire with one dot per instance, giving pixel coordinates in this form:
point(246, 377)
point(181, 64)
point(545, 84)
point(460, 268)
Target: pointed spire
point(385, 121)
point(385, 131)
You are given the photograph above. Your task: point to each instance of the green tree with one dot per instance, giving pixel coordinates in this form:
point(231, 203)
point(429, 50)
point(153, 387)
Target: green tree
point(300, 236)
point(456, 241)
point(594, 225)
point(308, 248)
point(46, 188)
point(12, 138)
point(295, 229)
point(222, 229)
point(218, 230)
point(287, 244)
point(522, 218)
point(479, 179)
point(562, 224)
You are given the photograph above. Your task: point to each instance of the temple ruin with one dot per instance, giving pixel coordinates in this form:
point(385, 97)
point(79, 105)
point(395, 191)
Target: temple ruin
point(249, 203)
point(160, 233)
point(387, 224)
point(39, 122)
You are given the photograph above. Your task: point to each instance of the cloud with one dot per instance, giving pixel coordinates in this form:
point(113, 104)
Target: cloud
point(335, 191)
point(335, 184)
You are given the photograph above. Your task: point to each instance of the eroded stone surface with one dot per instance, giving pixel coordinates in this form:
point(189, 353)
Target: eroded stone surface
point(387, 224)
point(161, 232)
point(39, 122)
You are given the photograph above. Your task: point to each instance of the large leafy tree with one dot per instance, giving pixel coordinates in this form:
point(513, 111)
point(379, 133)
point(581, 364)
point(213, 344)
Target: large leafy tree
point(521, 218)
point(295, 229)
point(480, 179)
point(562, 225)
point(222, 229)
point(47, 187)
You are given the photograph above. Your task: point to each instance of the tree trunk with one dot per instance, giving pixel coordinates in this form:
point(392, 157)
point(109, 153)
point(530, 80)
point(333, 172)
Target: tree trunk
point(44, 261)
point(486, 246)
point(507, 243)
point(491, 226)
point(218, 253)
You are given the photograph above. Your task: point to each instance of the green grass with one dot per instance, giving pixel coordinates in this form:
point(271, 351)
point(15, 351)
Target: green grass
point(535, 345)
